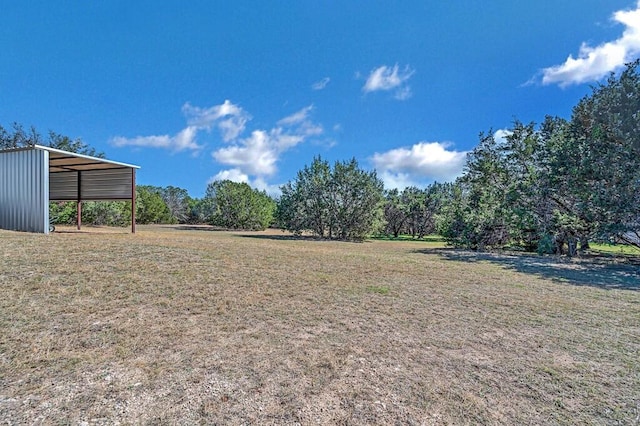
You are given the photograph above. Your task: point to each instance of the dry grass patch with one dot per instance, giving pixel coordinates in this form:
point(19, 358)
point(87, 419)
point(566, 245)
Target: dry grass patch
point(186, 325)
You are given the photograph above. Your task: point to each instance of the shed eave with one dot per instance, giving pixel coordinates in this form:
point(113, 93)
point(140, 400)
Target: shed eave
point(86, 157)
point(97, 160)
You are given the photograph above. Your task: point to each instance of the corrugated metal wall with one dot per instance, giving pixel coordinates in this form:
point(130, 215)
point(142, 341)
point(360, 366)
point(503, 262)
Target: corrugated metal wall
point(114, 184)
point(63, 186)
point(106, 184)
point(24, 191)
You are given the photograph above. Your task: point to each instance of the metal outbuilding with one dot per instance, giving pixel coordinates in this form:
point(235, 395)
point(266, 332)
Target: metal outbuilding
point(32, 176)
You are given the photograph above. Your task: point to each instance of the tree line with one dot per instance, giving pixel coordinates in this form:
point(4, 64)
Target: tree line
point(554, 187)
point(551, 187)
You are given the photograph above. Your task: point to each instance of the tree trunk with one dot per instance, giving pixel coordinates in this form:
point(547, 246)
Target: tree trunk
point(584, 243)
point(572, 243)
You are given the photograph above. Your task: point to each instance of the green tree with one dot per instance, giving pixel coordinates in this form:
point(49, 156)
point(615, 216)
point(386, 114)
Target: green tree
point(343, 202)
point(238, 206)
point(395, 212)
point(108, 213)
point(305, 202)
point(199, 210)
point(63, 212)
point(413, 199)
point(356, 201)
point(150, 207)
point(170, 204)
point(423, 207)
point(177, 201)
point(601, 156)
point(528, 203)
point(76, 145)
point(481, 219)
point(514, 192)
point(555, 187)
point(18, 137)
point(452, 222)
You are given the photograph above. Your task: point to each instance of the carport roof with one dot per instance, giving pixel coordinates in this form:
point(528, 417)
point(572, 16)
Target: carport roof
point(64, 161)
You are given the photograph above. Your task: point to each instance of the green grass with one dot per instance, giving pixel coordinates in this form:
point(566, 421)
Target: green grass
point(380, 289)
point(615, 249)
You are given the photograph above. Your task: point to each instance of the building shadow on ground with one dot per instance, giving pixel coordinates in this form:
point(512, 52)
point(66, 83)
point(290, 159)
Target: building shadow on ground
point(207, 228)
point(271, 235)
point(593, 271)
point(292, 237)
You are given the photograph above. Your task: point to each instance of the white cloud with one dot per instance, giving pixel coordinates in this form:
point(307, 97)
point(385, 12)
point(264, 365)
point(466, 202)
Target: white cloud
point(424, 161)
point(403, 93)
point(594, 63)
point(163, 141)
point(397, 180)
point(390, 78)
point(303, 127)
point(230, 119)
point(183, 140)
point(258, 154)
point(262, 185)
point(296, 117)
point(319, 85)
point(236, 175)
point(251, 158)
point(500, 136)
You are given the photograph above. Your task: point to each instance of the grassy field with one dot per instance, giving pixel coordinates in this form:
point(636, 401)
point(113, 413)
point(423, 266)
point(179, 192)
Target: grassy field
point(616, 249)
point(192, 326)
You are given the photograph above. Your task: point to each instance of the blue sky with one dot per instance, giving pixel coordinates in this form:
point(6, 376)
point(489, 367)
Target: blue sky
point(252, 91)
